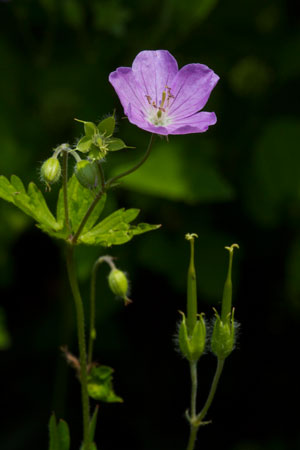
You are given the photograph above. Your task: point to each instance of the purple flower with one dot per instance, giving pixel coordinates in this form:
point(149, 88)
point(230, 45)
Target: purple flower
point(159, 98)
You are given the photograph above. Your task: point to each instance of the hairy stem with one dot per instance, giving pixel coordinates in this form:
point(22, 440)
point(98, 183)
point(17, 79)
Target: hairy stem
point(81, 343)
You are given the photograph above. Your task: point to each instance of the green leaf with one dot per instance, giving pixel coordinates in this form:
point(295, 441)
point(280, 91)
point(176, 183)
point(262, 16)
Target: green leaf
point(53, 434)
point(180, 173)
point(274, 173)
point(116, 229)
point(80, 200)
point(5, 340)
point(89, 128)
point(63, 435)
point(107, 126)
point(84, 144)
point(7, 190)
point(100, 385)
point(31, 202)
point(93, 423)
point(59, 435)
point(115, 144)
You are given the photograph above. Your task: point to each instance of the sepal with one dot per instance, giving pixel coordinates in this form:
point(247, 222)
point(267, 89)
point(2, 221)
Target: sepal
point(223, 336)
point(192, 346)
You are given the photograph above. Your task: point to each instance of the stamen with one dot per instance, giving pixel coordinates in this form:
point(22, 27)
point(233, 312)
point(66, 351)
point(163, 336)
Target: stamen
point(163, 98)
point(148, 98)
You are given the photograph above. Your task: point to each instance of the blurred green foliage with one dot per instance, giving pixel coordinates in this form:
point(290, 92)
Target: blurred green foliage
point(238, 182)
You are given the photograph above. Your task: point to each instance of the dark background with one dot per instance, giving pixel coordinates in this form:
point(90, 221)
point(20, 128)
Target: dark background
point(239, 182)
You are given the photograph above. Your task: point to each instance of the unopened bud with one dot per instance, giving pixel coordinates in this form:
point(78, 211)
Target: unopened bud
point(87, 173)
point(223, 336)
point(118, 284)
point(51, 170)
point(192, 346)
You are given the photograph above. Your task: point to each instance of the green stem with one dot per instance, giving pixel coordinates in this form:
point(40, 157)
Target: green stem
point(137, 166)
point(92, 331)
point(87, 215)
point(192, 438)
point(212, 392)
point(193, 414)
point(65, 189)
point(81, 343)
point(194, 386)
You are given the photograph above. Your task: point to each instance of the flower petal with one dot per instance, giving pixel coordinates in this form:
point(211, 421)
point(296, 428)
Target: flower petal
point(154, 70)
point(138, 118)
point(198, 123)
point(191, 88)
point(128, 89)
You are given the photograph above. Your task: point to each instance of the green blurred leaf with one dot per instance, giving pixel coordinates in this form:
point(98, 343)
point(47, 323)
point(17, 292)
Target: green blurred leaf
point(53, 434)
point(63, 435)
point(59, 435)
point(178, 173)
point(5, 340)
point(80, 200)
point(274, 173)
point(107, 126)
point(116, 229)
point(93, 423)
point(100, 385)
point(74, 12)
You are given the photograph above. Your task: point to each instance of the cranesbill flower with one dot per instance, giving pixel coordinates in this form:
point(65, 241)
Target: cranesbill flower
point(159, 98)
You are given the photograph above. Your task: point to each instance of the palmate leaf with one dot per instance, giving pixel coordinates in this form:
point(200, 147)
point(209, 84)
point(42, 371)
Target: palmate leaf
point(116, 229)
point(31, 202)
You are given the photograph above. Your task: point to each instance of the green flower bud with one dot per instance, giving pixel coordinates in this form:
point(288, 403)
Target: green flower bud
point(192, 346)
point(50, 171)
point(223, 336)
point(118, 284)
point(87, 173)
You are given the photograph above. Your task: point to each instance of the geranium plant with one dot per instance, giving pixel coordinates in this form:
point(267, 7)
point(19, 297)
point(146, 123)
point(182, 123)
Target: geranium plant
point(163, 100)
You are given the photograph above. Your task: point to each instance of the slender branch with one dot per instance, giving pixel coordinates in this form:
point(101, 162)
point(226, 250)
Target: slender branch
point(212, 392)
point(81, 343)
point(86, 217)
point(137, 166)
point(65, 189)
point(196, 420)
point(101, 173)
point(92, 331)
point(194, 383)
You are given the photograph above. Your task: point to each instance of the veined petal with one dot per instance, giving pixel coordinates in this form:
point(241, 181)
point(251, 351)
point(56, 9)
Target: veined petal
point(128, 89)
point(154, 70)
point(191, 88)
point(197, 123)
point(137, 118)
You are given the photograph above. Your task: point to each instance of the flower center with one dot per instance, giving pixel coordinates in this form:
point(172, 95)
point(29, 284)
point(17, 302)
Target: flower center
point(158, 115)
